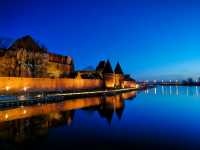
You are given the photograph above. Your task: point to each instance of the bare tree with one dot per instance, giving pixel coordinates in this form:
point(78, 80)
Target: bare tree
point(5, 42)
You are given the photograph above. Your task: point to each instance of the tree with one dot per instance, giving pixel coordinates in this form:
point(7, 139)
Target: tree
point(190, 81)
point(184, 82)
point(198, 79)
point(5, 42)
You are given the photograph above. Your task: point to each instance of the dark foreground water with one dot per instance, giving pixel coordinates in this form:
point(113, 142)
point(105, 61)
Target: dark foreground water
point(159, 118)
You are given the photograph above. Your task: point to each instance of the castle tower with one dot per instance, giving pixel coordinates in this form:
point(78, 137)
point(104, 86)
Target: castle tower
point(118, 76)
point(108, 75)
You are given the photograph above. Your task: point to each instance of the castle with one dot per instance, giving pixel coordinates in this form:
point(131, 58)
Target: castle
point(25, 58)
point(112, 79)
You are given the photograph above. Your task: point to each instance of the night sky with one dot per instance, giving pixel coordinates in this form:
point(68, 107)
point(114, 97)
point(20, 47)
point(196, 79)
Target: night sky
point(151, 39)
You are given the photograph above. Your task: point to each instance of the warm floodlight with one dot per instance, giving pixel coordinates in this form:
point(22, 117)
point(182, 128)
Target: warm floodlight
point(7, 88)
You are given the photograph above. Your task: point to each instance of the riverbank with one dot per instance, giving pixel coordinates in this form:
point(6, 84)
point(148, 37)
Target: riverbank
point(47, 97)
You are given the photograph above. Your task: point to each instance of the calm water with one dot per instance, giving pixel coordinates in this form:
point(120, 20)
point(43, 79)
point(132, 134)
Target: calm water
point(159, 118)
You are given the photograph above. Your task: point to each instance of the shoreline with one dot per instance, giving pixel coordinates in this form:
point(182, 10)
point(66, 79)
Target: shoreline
point(26, 100)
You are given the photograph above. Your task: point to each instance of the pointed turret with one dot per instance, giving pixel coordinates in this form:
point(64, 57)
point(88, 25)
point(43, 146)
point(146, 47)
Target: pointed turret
point(101, 66)
point(108, 68)
point(118, 69)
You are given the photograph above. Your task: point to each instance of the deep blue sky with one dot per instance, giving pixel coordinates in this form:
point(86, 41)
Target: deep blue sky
point(151, 39)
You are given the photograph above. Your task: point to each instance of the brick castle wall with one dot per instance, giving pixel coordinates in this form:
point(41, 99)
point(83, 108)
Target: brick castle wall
point(128, 84)
point(109, 79)
point(18, 84)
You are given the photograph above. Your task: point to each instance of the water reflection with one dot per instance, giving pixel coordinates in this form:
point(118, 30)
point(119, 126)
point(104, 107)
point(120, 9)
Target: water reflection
point(30, 122)
point(177, 92)
point(170, 90)
point(197, 91)
point(173, 91)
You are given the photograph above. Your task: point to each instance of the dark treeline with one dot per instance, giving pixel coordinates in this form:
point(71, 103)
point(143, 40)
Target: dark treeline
point(191, 81)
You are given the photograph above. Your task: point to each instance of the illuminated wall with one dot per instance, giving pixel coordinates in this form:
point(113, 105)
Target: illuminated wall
point(112, 80)
point(59, 65)
point(128, 84)
point(57, 70)
point(118, 80)
point(17, 63)
point(109, 79)
point(17, 84)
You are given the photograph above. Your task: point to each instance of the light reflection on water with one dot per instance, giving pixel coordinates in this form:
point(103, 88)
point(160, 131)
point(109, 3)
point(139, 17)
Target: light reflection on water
point(164, 117)
point(173, 90)
point(24, 124)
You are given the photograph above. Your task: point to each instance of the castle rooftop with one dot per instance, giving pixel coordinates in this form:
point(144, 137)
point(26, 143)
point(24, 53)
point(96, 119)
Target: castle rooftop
point(118, 69)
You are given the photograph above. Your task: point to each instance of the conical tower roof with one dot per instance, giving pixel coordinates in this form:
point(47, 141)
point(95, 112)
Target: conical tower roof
point(118, 69)
point(101, 65)
point(108, 68)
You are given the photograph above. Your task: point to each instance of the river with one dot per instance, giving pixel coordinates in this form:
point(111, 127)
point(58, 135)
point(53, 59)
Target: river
point(164, 117)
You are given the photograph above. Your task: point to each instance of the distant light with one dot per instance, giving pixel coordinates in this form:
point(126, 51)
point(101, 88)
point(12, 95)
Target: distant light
point(7, 88)
point(6, 116)
point(162, 81)
point(196, 80)
point(170, 80)
point(39, 95)
point(25, 88)
point(154, 80)
point(176, 80)
point(24, 111)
